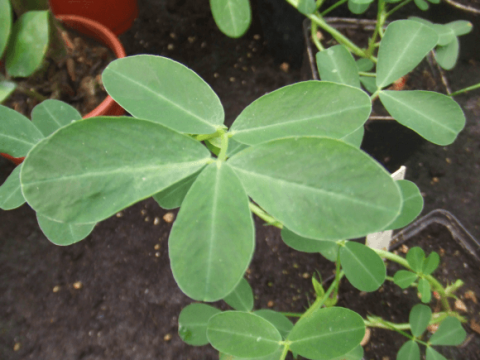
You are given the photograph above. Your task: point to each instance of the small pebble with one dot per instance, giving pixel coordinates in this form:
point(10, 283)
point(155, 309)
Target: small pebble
point(366, 337)
point(257, 37)
point(157, 247)
point(216, 75)
point(432, 328)
point(448, 160)
point(157, 254)
point(169, 217)
point(56, 289)
point(147, 219)
point(285, 67)
point(16, 347)
point(170, 46)
point(173, 35)
point(156, 221)
point(77, 285)
point(119, 214)
point(191, 39)
point(470, 295)
point(270, 304)
point(460, 305)
point(232, 79)
point(167, 337)
point(306, 275)
point(143, 212)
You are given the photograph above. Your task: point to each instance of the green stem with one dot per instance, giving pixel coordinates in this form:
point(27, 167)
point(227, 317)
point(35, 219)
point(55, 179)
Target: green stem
point(333, 7)
point(362, 73)
point(222, 156)
point(290, 314)
point(473, 87)
point(374, 96)
point(319, 4)
point(216, 134)
point(399, 6)
point(264, 216)
point(378, 26)
point(286, 347)
point(315, 40)
point(32, 93)
point(320, 301)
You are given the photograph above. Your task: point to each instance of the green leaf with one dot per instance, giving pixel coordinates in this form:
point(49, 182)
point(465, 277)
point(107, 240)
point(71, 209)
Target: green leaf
point(280, 321)
point(329, 249)
point(363, 267)
point(445, 34)
point(233, 17)
point(317, 286)
point(434, 1)
point(314, 108)
point(404, 278)
point(306, 7)
point(210, 248)
point(327, 333)
point(364, 64)
point(460, 27)
point(6, 88)
point(355, 138)
point(28, 44)
point(436, 117)
point(164, 91)
point(355, 354)
point(415, 258)
point(419, 318)
point(192, 323)
point(424, 290)
point(402, 48)
point(11, 196)
point(335, 187)
point(432, 354)
point(357, 8)
point(51, 115)
point(336, 64)
point(63, 234)
point(242, 334)
point(5, 24)
point(172, 197)
point(369, 83)
point(17, 134)
point(421, 4)
point(91, 169)
point(412, 205)
point(273, 356)
point(421, 20)
point(450, 332)
point(409, 351)
point(447, 56)
point(431, 263)
point(242, 297)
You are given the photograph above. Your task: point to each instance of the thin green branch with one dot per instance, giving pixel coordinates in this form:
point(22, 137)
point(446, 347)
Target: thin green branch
point(368, 74)
point(262, 214)
point(222, 156)
point(333, 7)
point(473, 87)
point(315, 40)
point(290, 314)
point(286, 347)
point(399, 6)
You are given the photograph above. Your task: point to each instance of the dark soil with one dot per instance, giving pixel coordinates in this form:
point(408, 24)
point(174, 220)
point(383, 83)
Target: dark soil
point(112, 296)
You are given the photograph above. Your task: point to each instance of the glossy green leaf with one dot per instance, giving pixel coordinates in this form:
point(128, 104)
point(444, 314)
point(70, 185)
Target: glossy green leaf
point(357, 8)
point(419, 318)
point(431, 263)
point(409, 351)
point(412, 204)
point(355, 354)
point(355, 138)
point(436, 117)
point(362, 266)
point(369, 83)
point(460, 27)
point(192, 323)
point(415, 258)
point(63, 234)
point(336, 187)
point(402, 48)
point(5, 24)
point(329, 249)
point(164, 91)
point(11, 196)
point(91, 169)
point(242, 334)
point(280, 321)
point(17, 134)
point(51, 115)
point(242, 297)
point(364, 64)
point(28, 44)
point(6, 88)
point(432, 354)
point(445, 34)
point(313, 108)
point(447, 56)
point(233, 17)
point(450, 332)
point(172, 197)
point(306, 7)
point(404, 278)
point(327, 333)
point(336, 64)
point(421, 4)
point(210, 248)
point(425, 291)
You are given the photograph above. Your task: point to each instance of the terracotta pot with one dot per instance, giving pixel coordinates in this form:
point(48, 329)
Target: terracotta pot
point(117, 15)
point(105, 36)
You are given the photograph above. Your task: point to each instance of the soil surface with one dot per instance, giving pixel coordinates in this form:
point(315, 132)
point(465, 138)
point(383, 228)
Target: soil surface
point(112, 296)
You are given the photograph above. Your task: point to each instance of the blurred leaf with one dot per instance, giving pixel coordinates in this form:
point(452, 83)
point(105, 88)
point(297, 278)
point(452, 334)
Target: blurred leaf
point(192, 323)
point(11, 196)
point(409, 351)
point(273, 356)
point(447, 56)
point(306, 7)
point(317, 286)
point(434, 1)
point(421, 4)
point(424, 290)
point(364, 64)
point(355, 138)
point(280, 321)
point(328, 249)
point(63, 234)
point(460, 27)
point(369, 83)
point(421, 20)
point(431, 263)
point(355, 354)
point(233, 17)
point(357, 8)
point(419, 318)
point(6, 88)
point(404, 278)
point(336, 64)
point(415, 258)
point(434, 355)
point(5, 25)
point(412, 205)
point(445, 34)
point(172, 197)
point(450, 332)
point(51, 115)
point(241, 298)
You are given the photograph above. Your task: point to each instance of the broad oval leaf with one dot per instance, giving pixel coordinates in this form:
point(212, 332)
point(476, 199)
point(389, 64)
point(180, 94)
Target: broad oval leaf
point(409, 351)
point(424, 290)
point(329, 249)
point(210, 248)
point(164, 91)
point(447, 55)
point(63, 234)
point(28, 44)
point(172, 197)
point(233, 17)
point(436, 117)
point(403, 46)
point(432, 354)
point(339, 191)
point(404, 278)
point(431, 263)
point(419, 318)
point(91, 169)
point(450, 332)
point(355, 138)
point(336, 64)
point(445, 34)
point(316, 108)
point(357, 8)
point(327, 333)
point(363, 267)
point(273, 356)
point(6, 88)
point(421, 4)
point(51, 115)
point(280, 321)
point(412, 204)
point(415, 258)
point(17, 134)
point(306, 7)
point(355, 354)
point(11, 196)
point(193, 321)
point(369, 84)
point(242, 334)
point(241, 298)
point(460, 27)
point(5, 24)
point(364, 64)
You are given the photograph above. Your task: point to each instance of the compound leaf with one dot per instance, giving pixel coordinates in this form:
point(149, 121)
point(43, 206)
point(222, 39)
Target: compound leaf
point(425, 291)
point(447, 55)
point(409, 351)
point(329, 249)
point(431, 263)
point(404, 278)
point(280, 321)
point(192, 323)
point(242, 297)
point(51, 115)
point(233, 17)
point(450, 332)
point(336, 64)
point(460, 27)
point(415, 258)
point(419, 319)
point(63, 234)
point(172, 197)
point(432, 354)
